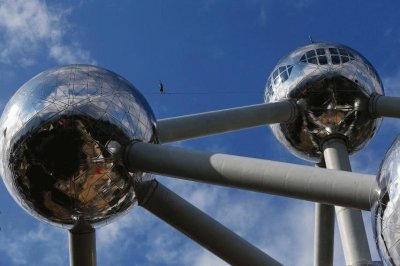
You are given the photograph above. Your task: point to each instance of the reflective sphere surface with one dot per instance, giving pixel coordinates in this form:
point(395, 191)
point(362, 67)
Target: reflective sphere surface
point(331, 84)
point(386, 212)
point(59, 142)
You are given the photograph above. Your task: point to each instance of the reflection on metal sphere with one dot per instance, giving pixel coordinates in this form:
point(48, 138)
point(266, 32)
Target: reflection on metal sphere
point(60, 136)
point(386, 212)
point(331, 84)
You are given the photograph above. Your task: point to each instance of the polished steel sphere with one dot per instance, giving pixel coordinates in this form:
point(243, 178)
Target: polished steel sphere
point(331, 85)
point(385, 212)
point(59, 142)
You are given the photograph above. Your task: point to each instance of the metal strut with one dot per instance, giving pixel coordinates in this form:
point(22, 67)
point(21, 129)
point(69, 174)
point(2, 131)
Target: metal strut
point(82, 244)
point(203, 124)
point(285, 179)
point(201, 228)
point(351, 225)
point(324, 232)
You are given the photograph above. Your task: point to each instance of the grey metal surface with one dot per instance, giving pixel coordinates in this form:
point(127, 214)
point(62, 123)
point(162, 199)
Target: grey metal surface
point(324, 232)
point(82, 244)
point(385, 213)
point(290, 180)
point(385, 106)
point(57, 142)
point(203, 124)
point(371, 263)
point(351, 225)
point(201, 228)
point(331, 84)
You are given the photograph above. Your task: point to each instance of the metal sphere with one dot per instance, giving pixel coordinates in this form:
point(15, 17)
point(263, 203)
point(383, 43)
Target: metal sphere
point(59, 142)
point(386, 211)
point(331, 84)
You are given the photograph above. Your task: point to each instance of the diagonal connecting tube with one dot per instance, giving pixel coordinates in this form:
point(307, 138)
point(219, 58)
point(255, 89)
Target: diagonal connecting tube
point(296, 181)
point(201, 228)
point(203, 124)
point(384, 106)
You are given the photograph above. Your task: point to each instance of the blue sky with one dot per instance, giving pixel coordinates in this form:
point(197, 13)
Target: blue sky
point(216, 54)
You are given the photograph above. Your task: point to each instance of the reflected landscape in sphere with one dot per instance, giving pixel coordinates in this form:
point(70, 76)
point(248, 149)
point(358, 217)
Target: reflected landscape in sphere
point(60, 137)
point(331, 85)
point(386, 212)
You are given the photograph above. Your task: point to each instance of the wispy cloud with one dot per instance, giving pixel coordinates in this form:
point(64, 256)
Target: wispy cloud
point(303, 3)
point(262, 16)
point(32, 28)
point(21, 245)
point(392, 84)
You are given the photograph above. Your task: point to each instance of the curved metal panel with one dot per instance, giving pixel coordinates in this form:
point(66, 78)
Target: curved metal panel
point(385, 213)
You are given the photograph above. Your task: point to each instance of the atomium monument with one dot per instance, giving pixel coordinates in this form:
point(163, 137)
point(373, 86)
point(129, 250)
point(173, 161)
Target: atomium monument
point(80, 145)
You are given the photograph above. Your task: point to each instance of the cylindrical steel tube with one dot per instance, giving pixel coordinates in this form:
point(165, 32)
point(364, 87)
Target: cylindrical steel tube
point(385, 106)
point(324, 232)
point(290, 180)
point(82, 244)
point(351, 225)
point(203, 124)
point(192, 222)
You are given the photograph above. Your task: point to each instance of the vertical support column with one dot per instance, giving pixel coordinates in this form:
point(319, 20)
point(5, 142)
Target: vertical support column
point(351, 224)
point(82, 244)
point(324, 232)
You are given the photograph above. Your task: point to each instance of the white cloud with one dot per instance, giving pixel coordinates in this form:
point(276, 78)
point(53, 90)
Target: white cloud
point(205, 258)
point(69, 53)
point(21, 245)
point(258, 218)
point(30, 28)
